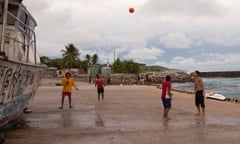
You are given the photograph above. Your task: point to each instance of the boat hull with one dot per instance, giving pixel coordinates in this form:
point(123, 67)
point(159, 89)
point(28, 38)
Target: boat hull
point(18, 84)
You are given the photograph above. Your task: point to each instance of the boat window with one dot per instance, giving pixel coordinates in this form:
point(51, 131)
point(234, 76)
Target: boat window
point(13, 9)
point(31, 23)
point(24, 19)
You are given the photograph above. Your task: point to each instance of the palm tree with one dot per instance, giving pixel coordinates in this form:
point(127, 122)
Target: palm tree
point(94, 59)
point(70, 55)
point(88, 58)
point(84, 65)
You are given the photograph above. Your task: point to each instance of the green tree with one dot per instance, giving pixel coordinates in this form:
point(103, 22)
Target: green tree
point(127, 66)
point(56, 63)
point(117, 66)
point(131, 67)
point(51, 62)
point(44, 60)
point(77, 63)
point(70, 55)
point(134, 67)
point(84, 65)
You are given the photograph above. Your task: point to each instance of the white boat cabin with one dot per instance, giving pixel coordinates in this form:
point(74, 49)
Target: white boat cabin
point(18, 39)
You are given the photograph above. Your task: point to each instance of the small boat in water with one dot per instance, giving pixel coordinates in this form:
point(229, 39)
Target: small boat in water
point(215, 96)
point(20, 67)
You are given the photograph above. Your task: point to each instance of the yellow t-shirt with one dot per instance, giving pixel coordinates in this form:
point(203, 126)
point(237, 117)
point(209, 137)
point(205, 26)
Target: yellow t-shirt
point(67, 84)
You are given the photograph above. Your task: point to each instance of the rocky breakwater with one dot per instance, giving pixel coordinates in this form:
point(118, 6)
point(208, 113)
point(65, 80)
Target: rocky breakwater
point(148, 78)
point(121, 78)
point(176, 76)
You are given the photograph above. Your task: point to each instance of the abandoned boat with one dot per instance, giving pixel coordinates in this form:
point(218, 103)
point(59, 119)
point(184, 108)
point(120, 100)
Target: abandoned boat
point(20, 67)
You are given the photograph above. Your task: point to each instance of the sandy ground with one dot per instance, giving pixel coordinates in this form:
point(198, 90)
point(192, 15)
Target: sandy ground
point(128, 115)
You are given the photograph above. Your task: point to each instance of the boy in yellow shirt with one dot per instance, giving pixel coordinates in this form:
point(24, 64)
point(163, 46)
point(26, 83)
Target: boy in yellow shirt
point(67, 83)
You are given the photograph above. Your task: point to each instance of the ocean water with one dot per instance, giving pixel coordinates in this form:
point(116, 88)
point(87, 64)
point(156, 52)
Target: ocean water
point(229, 87)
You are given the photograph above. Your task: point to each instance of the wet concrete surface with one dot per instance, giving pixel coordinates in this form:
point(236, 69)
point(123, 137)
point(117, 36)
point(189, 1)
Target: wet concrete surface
point(128, 115)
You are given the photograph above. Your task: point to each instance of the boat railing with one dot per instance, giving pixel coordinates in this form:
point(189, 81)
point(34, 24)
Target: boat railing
point(28, 36)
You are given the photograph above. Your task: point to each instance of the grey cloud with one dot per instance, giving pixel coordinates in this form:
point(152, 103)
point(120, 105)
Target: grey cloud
point(103, 25)
point(183, 7)
point(38, 6)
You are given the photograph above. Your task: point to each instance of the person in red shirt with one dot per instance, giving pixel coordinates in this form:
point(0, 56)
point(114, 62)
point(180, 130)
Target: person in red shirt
point(100, 87)
point(166, 96)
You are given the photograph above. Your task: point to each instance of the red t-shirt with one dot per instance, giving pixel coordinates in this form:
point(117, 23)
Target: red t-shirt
point(166, 86)
point(99, 83)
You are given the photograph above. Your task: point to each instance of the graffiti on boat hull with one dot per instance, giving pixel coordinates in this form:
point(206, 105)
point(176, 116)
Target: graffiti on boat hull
point(18, 83)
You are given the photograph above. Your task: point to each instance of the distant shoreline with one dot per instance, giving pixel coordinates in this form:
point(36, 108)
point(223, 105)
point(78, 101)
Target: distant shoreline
point(225, 74)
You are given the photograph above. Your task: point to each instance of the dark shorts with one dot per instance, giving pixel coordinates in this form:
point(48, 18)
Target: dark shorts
point(166, 103)
point(66, 94)
point(100, 90)
point(199, 99)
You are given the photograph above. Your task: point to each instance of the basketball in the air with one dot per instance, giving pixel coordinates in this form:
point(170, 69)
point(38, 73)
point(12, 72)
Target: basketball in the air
point(131, 10)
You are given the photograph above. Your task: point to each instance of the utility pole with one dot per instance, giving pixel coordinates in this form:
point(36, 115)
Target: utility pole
point(114, 55)
point(108, 63)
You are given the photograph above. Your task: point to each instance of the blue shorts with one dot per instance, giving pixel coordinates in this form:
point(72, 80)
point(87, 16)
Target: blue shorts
point(166, 103)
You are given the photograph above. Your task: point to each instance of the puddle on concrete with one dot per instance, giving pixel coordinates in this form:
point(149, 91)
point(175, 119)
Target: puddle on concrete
point(87, 117)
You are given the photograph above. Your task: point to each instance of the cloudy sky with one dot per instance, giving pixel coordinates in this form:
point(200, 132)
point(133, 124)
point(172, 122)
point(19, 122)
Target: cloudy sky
point(181, 34)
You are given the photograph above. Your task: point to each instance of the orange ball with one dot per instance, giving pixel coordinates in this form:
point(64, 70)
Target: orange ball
point(131, 10)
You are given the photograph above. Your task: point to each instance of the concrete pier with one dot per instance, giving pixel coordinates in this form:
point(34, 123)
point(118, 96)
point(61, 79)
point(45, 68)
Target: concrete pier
point(128, 115)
